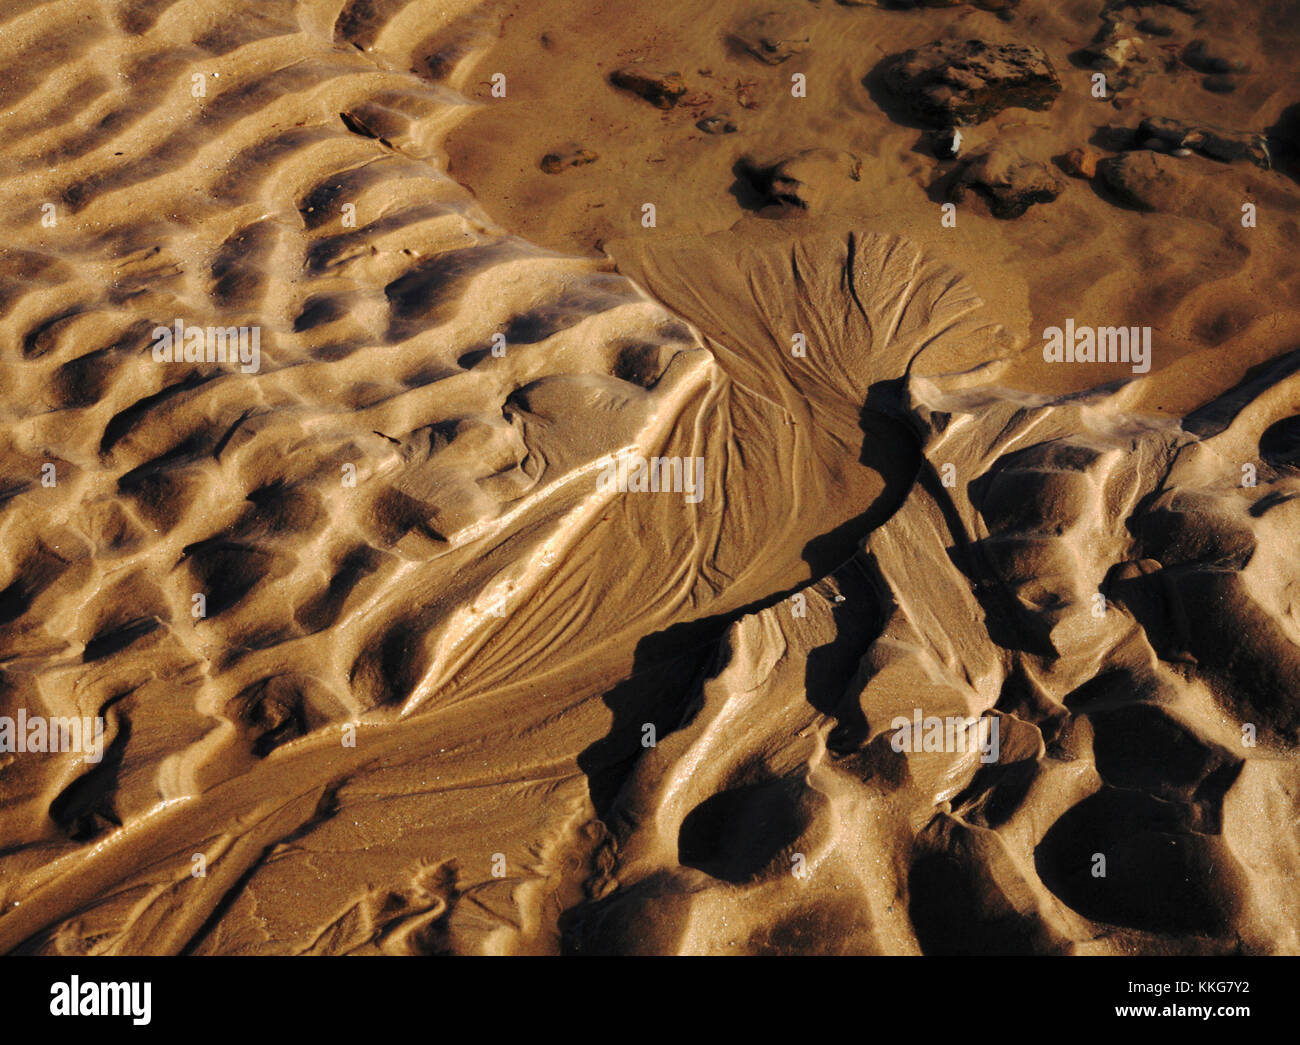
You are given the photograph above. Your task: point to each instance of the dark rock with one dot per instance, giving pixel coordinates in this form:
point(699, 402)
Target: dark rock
point(563, 159)
point(953, 82)
point(773, 37)
point(1009, 182)
point(661, 89)
point(1215, 142)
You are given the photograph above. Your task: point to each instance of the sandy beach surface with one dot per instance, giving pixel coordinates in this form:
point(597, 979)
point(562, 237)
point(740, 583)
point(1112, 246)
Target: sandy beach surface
point(611, 477)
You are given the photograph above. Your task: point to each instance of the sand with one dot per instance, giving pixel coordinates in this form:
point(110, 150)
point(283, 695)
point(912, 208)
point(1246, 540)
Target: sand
point(392, 656)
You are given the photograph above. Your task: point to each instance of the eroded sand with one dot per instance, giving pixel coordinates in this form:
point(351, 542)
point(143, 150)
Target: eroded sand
point(412, 716)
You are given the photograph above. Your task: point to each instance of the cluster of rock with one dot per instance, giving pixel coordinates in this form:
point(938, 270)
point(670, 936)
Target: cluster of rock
point(1160, 133)
point(950, 84)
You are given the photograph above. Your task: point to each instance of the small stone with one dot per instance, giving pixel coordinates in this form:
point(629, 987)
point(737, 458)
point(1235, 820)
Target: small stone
point(1081, 163)
point(716, 125)
point(661, 89)
point(773, 37)
point(1181, 152)
point(1007, 181)
point(563, 159)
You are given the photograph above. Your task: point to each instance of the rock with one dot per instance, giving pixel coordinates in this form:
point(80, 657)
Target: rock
point(563, 159)
point(1149, 181)
point(1219, 84)
point(1009, 182)
point(773, 37)
point(1215, 142)
point(661, 89)
point(716, 125)
point(1211, 56)
point(1119, 52)
point(951, 82)
point(806, 179)
point(1081, 163)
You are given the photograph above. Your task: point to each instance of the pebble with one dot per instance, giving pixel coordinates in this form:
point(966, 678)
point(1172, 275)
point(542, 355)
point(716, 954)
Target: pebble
point(716, 125)
point(563, 159)
point(1081, 163)
point(659, 87)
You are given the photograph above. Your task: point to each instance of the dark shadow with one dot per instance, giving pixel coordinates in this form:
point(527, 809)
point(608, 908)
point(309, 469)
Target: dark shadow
point(432, 291)
point(1279, 446)
point(1284, 142)
point(831, 669)
point(949, 908)
point(735, 834)
point(86, 809)
point(1114, 139)
point(889, 103)
point(940, 188)
point(752, 189)
point(1127, 858)
point(1082, 58)
point(1215, 416)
